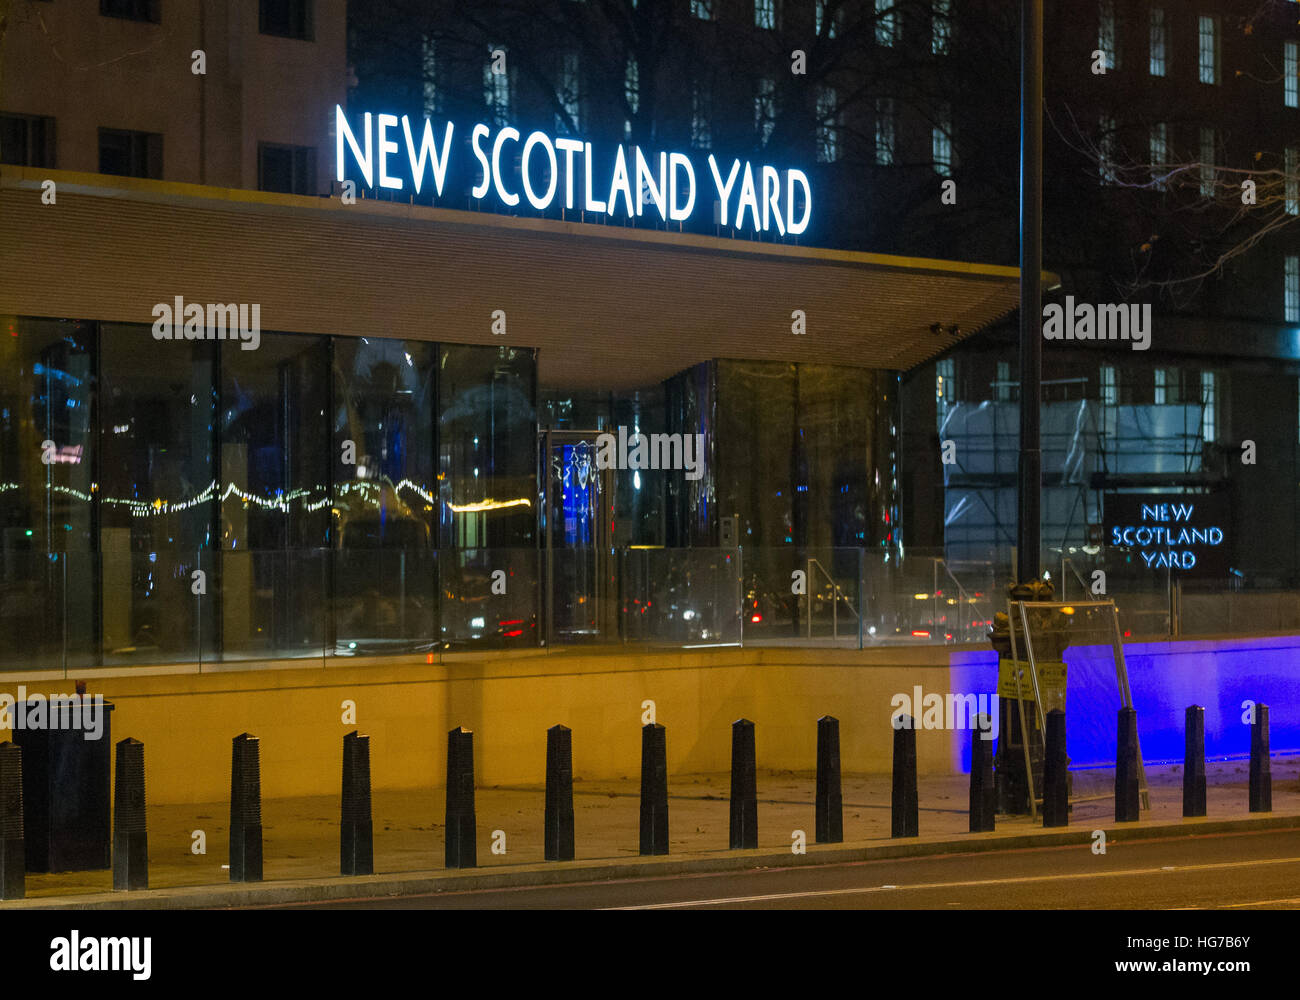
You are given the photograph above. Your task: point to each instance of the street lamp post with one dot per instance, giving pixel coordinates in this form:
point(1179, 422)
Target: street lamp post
point(1028, 565)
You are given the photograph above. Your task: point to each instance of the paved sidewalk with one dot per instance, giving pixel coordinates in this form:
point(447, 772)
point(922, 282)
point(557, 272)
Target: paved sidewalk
point(301, 841)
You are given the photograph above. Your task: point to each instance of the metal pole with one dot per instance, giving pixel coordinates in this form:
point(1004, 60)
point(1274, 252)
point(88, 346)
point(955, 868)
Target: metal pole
point(1031, 297)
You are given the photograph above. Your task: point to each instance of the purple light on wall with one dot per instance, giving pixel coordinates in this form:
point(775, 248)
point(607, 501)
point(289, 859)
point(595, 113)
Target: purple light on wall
point(1165, 678)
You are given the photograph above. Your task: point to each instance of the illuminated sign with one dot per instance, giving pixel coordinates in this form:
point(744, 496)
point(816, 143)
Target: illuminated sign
point(626, 182)
point(1179, 532)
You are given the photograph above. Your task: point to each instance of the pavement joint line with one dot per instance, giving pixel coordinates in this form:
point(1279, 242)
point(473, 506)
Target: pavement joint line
point(499, 877)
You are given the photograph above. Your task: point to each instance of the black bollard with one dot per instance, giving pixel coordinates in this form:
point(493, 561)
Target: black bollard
point(1127, 797)
point(558, 832)
point(1194, 762)
point(245, 809)
point(356, 829)
point(1261, 778)
point(1056, 798)
point(983, 792)
point(830, 799)
point(13, 852)
point(462, 851)
point(904, 821)
point(744, 786)
point(130, 836)
point(654, 789)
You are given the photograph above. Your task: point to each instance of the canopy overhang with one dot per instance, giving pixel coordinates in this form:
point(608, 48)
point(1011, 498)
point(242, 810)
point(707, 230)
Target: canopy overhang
point(607, 307)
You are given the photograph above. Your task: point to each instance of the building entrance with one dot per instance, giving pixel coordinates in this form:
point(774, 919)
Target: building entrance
point(576, 525)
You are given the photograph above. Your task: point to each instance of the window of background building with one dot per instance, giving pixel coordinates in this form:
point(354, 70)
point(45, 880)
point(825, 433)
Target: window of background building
point(132, 10)
point(828, 125)
point(1108, 33)
point(767, 14)
point(496, 88)
point(765, 108)
point(570, 93)
point(429, 77)
point(1109, 386)
point(701, 116)
point(886, 131)
point(286, 18)
point(27, 140)
point(1207, 30)
point(1209, 403)
point(1160, 394)
point(703, 9)
point(632, 85)
point(1291, 290)
point(941, 27)
point(1003, 386)
point(941, 142)
point(945, 387)
point(887, 23)
point(1208, 153)
point(1106, 147)
point(1290, 74)
point(130, 154)
point(1159, 148)
point(631, 92)
point(1159, 42)
point(287, 169)
point(1291, 167)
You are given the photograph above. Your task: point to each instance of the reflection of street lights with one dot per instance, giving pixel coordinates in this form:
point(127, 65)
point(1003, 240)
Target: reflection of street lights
point(1031, 298)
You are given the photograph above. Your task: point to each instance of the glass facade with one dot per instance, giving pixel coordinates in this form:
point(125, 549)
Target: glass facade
point(190, 501)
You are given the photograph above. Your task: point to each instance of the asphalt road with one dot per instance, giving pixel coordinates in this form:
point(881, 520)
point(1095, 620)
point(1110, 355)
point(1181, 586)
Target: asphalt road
point(1247, 871)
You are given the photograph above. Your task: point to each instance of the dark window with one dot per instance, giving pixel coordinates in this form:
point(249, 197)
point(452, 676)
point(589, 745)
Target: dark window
point(287, 169)
point(286, 18)
point(132, 10)
point(27, 140)
point(130, 154)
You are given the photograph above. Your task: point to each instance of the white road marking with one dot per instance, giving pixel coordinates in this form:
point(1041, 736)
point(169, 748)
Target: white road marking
point(1261, 902)
point(1019, 880)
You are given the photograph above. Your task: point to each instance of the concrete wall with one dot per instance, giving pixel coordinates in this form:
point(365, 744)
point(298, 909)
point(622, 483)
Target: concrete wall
point(186, 721)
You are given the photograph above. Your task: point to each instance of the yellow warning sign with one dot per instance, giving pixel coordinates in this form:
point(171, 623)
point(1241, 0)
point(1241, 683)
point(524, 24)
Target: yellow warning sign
point(1051, 681)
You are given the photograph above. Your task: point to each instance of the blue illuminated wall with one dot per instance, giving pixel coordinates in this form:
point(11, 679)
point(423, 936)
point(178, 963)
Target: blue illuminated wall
point(1165, 677)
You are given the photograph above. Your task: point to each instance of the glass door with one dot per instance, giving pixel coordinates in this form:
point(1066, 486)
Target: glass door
point(577, 513)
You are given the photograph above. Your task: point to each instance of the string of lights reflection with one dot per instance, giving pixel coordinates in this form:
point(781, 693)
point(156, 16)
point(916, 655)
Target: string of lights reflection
point(368, 490)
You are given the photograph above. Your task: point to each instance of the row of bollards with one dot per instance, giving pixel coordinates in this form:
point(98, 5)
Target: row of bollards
point(1127, 770)
point(356, 839)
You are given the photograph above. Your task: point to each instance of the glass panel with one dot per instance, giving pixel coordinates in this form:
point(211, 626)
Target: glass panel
point(158, 497)
point(383, 404)
point(385, 601)
point(489, 597)
point(681, 596)
point(47, 479)
point(275, 507)
point(487, 446)
point(273, 604)
point(385, 572)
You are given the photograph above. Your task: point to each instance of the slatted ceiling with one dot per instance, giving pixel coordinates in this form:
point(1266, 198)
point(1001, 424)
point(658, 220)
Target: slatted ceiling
point(608, 308)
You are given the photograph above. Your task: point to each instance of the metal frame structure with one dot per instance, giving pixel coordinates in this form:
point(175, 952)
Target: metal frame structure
point(1121, 680)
